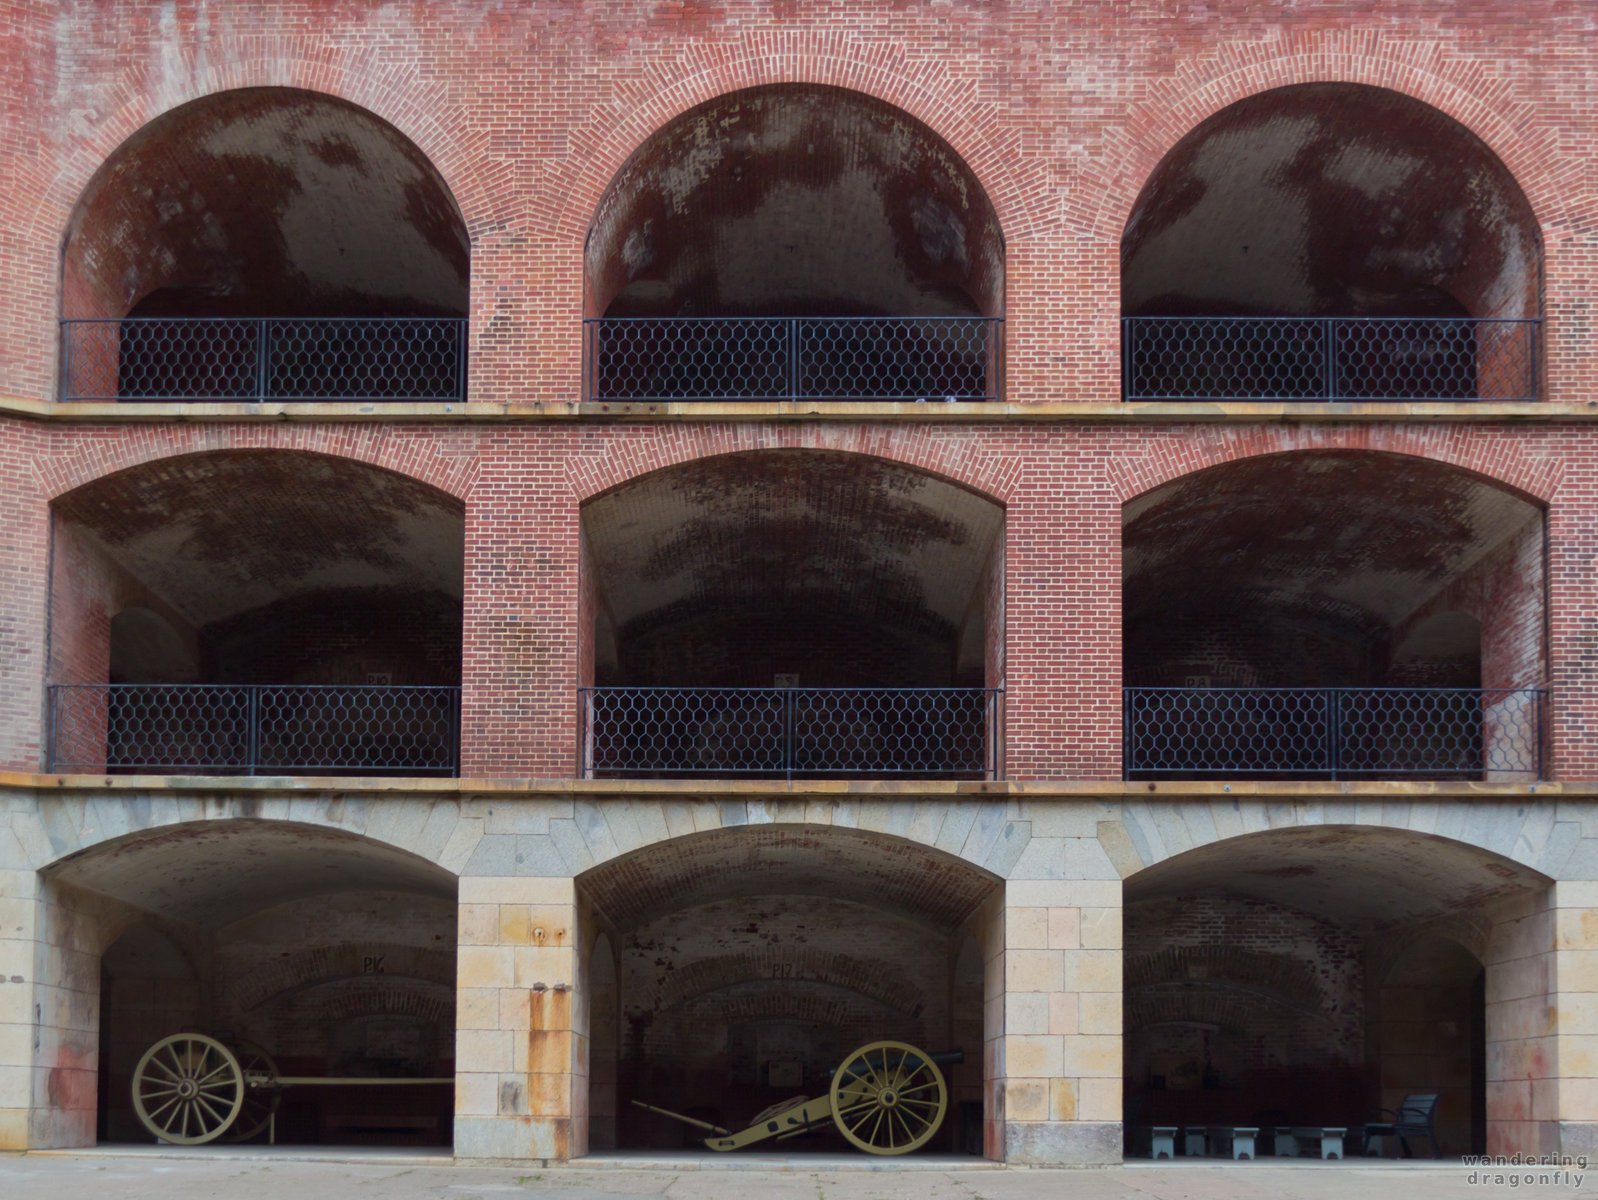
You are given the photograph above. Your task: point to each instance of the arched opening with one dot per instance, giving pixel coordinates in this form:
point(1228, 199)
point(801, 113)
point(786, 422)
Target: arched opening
point(604, 1053)
point(265, 244)
point(1300, 980)
point(792, 612)
point(309, 952)
point(1342, 614)
point(244, 612)
point(752, 961)
point(795, 242)
point(1331, 241)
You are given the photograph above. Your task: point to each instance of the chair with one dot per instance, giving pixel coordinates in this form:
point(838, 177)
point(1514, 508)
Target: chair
point(1415, 1116)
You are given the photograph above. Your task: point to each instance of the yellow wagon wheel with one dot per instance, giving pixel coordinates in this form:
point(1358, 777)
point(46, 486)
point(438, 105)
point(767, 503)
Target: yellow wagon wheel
point(888, 1098)
point(261, 1092)
point(187, 1089)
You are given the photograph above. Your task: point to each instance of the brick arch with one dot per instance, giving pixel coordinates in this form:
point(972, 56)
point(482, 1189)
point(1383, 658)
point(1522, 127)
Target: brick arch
point(619, 459)
point(874, 980)
point(420, 111)
point(326, 964)
point(981, 134)
point(1511, 463)
point(1202, 87)
point(414, 453)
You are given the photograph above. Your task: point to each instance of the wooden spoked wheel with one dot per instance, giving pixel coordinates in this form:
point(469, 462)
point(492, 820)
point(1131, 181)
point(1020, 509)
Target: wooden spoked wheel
point(187, 1089)
point(262, 1094)
point(888, 1098)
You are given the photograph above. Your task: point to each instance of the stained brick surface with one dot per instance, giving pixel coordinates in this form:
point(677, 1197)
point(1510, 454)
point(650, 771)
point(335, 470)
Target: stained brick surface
point(1060, 112)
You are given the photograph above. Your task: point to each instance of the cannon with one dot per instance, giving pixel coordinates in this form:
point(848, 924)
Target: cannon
point(190, 1089)
point(885, 1098)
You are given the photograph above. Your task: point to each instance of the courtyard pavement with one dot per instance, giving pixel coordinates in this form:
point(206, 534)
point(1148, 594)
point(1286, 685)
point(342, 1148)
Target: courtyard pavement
point(295, 1174)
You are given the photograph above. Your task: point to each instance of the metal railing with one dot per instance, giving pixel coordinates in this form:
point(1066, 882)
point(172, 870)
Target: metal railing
point(1336, 733)
point(1329, 358)
point(257, 359)
point(253, 729)
point(787, 732)
point(794, 358)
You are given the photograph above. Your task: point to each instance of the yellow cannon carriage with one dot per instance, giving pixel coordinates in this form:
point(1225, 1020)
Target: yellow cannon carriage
point(886, 1098)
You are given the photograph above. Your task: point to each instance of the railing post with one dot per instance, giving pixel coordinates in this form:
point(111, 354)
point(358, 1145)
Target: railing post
point(252, 731)
point(461, 329)
point(793, 360)
point(261, 335)
point(455, 733)
point(1329, 342)
point(1126, 733)
point(787, 732)
point(66, 358)
point(1333, 721)
point(1126, 363)
point(585, 754)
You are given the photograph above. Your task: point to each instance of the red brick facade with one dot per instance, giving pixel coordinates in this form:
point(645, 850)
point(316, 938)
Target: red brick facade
point(527, 112)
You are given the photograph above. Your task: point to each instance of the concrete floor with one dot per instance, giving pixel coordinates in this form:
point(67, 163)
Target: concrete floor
point(292, 1173)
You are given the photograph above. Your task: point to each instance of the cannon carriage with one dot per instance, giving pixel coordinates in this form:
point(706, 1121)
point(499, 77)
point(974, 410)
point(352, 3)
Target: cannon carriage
point(190, 1089)
point(884, 1098)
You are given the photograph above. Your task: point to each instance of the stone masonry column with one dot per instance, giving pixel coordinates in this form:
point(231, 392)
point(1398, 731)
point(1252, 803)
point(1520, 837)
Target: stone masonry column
point(19, 923)
point(1573, 1017)
point(1061, 1060)
point(1524, 1100)
point(520, 1059)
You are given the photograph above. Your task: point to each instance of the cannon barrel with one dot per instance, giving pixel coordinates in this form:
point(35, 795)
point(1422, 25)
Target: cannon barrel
point(948, 1058)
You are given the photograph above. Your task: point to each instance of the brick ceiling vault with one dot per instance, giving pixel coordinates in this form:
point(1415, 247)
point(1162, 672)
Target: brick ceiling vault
point(905, 878)
point(214, 872)
point(795, 200)
point(1355, 876)
point(224, 533)
point(1331, 199)
point(266, 202)
point(792, 531)
point(1361, 538)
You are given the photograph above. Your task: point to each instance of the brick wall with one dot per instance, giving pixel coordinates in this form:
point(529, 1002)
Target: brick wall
point(1061, 116)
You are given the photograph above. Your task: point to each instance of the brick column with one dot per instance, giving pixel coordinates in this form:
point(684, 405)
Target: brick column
point(1062, 1021)
point(519, 1055)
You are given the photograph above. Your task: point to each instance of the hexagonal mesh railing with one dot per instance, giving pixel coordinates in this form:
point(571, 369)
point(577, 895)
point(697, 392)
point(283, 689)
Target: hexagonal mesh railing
point(217, 359)
point(1392, 359)
point(251, 729)
point(789, 732)
point(1335, 733)
point(794, 358)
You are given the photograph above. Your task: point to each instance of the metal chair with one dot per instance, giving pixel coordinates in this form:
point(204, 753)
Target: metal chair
point(1415, 1116)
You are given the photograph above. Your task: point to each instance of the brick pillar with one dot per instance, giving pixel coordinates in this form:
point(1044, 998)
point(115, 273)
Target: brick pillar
point(519, 1055)
point(1061, 1060)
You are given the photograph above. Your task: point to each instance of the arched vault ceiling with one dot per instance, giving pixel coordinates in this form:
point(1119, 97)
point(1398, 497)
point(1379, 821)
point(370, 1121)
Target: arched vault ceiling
point(1336, 199)
point(1361, 533)
point(797, 200)
point(1351, 875)
point(772, 531)
point(221, 534)
point(903, 877)
point(268, 202)
point(213, 873)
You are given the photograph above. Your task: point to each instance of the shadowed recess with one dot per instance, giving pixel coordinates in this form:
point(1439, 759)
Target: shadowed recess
point(266, 202)
point(795, 200)
point(1331, 199)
